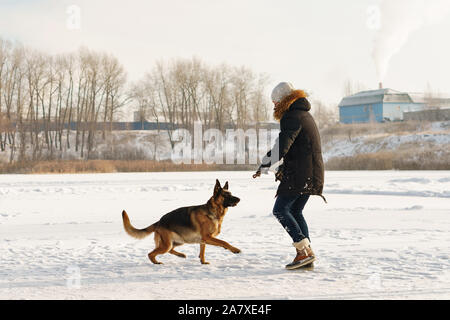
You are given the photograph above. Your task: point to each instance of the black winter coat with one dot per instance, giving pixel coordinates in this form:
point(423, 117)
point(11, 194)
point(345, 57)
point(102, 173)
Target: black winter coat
point(299, 146)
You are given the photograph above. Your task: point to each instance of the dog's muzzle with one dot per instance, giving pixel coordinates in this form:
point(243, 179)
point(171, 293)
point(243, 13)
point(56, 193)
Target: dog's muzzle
point(234, 202)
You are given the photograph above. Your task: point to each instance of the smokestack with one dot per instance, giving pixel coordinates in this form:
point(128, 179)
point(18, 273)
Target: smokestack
point(380, 85)
point(399, 20)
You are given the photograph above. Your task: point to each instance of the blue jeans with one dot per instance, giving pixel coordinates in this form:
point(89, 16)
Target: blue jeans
point(288, 210)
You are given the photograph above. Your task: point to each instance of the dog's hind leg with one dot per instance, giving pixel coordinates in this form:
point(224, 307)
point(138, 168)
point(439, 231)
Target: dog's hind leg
point(178, 254)
point(163, 245)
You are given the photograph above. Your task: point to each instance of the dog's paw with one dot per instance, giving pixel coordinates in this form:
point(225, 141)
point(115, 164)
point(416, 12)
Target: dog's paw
point(204, 262)
point(235, 250)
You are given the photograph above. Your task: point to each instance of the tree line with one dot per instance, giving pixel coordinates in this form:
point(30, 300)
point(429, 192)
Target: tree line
point(185, 91)
point(53, 103)
point(41, 94)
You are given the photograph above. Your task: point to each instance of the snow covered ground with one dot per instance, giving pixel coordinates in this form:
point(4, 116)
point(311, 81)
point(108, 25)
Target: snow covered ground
point(382, 235)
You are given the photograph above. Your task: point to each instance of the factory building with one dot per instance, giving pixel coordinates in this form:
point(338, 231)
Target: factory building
point(377, 106)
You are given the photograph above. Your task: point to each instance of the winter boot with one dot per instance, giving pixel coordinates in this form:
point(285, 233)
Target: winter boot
point(305, 256)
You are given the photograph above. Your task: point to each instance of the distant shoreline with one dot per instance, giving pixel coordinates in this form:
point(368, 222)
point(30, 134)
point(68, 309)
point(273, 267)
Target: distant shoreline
point(112, 166)
point(376, 161)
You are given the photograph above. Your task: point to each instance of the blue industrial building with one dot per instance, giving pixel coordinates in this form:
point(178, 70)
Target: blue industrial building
point(377, 106)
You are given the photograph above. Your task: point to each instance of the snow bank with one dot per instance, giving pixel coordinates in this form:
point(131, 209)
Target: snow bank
point(376, 143)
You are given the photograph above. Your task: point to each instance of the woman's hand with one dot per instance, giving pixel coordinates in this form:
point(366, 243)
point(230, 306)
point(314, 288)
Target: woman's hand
point(261, 169)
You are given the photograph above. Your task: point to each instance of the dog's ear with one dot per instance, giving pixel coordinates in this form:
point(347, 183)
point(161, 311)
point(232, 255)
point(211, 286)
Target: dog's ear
point(217, 187)
point(226, 186)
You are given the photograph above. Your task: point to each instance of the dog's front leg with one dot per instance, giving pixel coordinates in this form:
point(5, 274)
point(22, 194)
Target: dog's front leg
point(202, 253)
point(220, 243)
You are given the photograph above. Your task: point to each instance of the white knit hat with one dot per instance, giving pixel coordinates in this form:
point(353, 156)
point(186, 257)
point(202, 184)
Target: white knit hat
point(282, 90)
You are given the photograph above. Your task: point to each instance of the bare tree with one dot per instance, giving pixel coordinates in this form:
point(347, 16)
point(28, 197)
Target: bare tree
point(50, 104)
point(323, 114)
point(186, 90)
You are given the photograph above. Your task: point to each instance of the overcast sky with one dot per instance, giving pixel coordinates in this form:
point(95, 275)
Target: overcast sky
point(316, 45)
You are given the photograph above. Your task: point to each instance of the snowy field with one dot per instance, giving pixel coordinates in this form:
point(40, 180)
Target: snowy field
point(382, 235)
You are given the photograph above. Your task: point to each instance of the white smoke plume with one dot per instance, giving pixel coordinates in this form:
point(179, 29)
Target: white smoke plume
point(400, 18)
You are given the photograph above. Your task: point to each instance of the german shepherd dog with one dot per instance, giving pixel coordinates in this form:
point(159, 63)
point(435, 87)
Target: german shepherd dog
point(195, 224)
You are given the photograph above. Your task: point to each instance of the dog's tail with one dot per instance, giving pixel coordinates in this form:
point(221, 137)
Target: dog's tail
point(132, 231)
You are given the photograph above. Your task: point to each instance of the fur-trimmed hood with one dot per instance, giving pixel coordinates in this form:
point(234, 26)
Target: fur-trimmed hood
point(284, 105)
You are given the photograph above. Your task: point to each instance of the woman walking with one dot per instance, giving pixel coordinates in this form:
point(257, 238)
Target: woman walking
point(302, 172)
